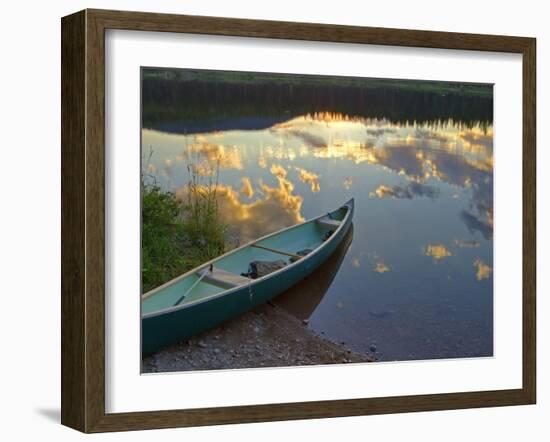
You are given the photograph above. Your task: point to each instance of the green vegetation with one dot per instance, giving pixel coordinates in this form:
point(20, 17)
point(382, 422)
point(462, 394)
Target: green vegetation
point(163, 253)
point(202, 220)
point(177, 235)
point(256, 78)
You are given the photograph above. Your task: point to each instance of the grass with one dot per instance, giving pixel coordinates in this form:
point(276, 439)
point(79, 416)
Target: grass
point(255, 78)
point(178, 235)
point(201, 214)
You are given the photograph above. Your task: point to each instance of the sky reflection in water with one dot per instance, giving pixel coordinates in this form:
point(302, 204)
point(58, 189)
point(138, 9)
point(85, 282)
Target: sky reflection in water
point(416, 281)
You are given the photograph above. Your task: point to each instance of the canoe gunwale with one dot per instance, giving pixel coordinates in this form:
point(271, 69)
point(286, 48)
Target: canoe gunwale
point(252, 282)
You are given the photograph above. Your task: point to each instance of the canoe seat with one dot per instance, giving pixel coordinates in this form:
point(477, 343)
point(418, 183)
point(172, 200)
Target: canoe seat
point(325, 221)
point(222, 278)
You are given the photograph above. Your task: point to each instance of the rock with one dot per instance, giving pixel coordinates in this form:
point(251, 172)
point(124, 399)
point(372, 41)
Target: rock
point(285, 341)
point(305, 321)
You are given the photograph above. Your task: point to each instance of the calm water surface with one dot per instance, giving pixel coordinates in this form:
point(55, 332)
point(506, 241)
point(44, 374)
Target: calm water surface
point(414, 280)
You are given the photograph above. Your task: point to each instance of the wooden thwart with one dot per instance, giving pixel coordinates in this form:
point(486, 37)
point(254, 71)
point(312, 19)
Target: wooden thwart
point(224, 279)
point(280, 252)
point(328, 222)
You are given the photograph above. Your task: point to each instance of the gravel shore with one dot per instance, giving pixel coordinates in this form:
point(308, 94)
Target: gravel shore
point(267, 336)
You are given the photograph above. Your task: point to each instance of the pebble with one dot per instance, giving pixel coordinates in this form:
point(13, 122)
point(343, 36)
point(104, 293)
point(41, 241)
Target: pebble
point(224, 351)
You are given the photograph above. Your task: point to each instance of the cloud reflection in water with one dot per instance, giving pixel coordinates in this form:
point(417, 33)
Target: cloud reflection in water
point(421, 155)
point(483, 270)
point(409, 191)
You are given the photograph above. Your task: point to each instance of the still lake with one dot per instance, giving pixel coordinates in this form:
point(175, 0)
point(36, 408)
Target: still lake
point(414, 280)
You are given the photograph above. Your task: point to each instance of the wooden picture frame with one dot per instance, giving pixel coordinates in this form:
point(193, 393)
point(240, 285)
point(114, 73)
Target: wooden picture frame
point(83, 220)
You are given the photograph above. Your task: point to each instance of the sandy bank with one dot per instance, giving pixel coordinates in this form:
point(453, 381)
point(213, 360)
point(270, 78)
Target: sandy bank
point(267, 336)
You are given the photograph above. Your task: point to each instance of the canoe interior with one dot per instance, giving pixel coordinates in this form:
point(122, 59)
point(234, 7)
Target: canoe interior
point(308, 235)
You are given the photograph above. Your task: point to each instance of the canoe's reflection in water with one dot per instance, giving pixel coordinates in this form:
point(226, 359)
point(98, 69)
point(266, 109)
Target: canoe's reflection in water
point(302, 299)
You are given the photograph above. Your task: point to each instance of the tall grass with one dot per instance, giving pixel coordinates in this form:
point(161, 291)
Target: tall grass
point(201, 213)
point(163, 252)
point(178, 234)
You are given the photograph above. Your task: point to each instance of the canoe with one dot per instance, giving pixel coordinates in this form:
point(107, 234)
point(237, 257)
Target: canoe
point(225, 287)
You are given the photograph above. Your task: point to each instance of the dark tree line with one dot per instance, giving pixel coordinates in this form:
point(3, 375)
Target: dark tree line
point(165, 100)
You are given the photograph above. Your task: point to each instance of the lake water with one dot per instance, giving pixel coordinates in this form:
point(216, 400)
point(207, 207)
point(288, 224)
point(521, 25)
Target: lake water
point(414, 279)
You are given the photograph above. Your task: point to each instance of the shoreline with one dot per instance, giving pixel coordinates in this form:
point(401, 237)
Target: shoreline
point(267, 336)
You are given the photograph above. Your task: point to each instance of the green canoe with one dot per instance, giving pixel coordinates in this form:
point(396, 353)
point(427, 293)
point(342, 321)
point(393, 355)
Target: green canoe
point(233, 283)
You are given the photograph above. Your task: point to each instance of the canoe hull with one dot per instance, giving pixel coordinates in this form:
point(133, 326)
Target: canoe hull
point(176, 325)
